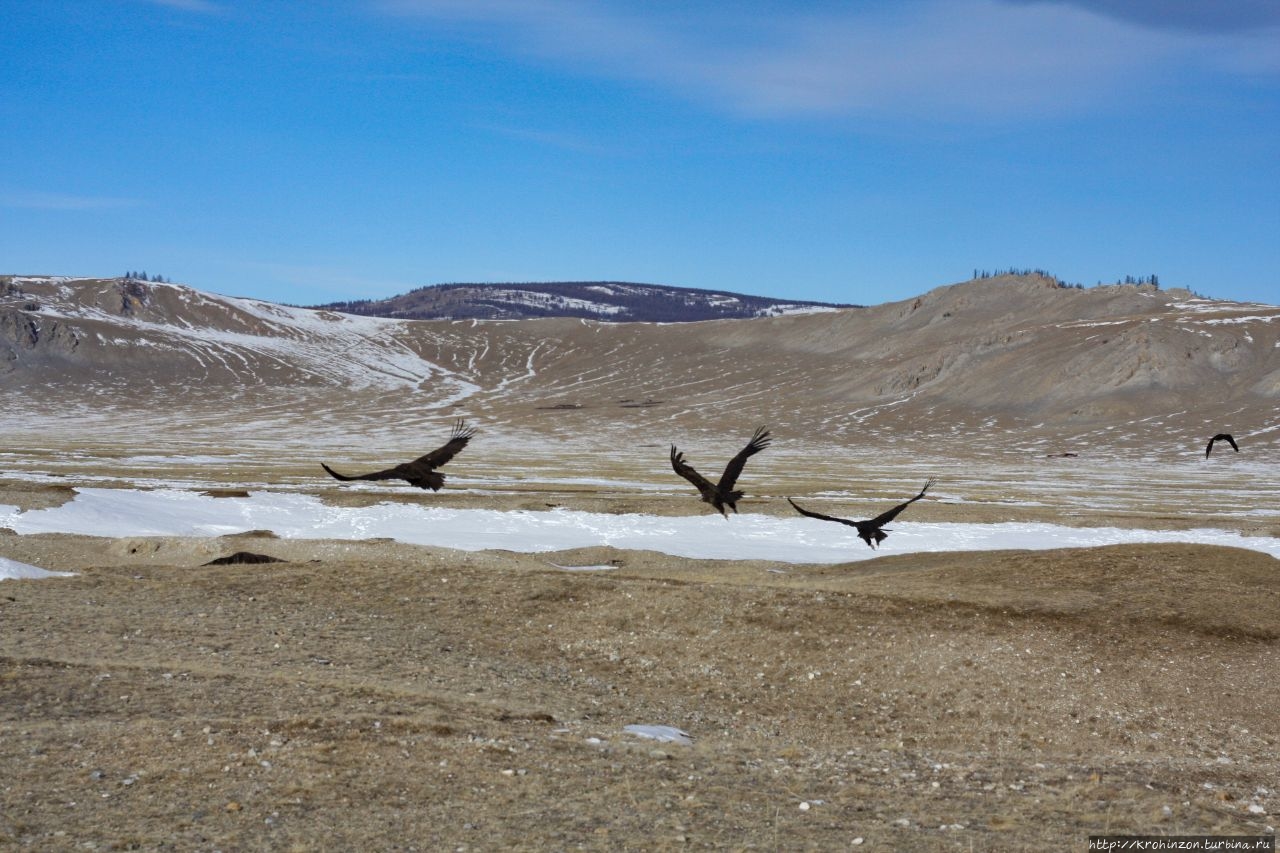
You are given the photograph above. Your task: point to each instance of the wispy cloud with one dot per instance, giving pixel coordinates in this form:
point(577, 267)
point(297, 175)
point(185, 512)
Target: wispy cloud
point(1235, 36)
point(574, 143)
point(62, 201)
point(942, 58)
point(1222, 16)
point(203, 7)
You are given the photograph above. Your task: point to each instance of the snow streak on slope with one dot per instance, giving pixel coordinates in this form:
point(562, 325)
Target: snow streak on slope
point(246, 337)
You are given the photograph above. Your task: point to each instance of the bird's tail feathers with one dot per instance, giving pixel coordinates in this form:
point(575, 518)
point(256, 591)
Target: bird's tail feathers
point(726, 502)
point(433, 480)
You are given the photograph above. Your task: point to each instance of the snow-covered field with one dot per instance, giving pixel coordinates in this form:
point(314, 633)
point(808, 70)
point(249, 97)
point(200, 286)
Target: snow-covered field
point(173, 512)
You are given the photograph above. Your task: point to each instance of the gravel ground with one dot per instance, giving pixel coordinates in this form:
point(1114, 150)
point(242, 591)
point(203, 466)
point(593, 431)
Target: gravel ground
point(378, 696)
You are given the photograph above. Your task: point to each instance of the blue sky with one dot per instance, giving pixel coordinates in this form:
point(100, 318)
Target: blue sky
point(316, 151)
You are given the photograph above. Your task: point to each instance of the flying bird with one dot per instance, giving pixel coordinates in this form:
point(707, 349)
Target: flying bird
point(721, 494)
point(421, 472)
point(1222, 436)
point(871, 529)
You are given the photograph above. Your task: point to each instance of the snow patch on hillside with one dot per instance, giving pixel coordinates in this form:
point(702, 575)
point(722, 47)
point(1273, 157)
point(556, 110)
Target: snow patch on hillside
point(343, 349)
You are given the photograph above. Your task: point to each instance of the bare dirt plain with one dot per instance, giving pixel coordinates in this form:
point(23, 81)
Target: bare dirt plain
point(379, 696)
point(374, 695)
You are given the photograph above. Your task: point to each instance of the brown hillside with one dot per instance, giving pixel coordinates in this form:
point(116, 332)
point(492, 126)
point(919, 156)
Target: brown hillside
point(1018, 355)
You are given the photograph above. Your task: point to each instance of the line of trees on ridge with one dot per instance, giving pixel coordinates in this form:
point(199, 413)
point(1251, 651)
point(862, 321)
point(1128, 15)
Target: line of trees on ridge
point(142, 276)
point(1152, 279)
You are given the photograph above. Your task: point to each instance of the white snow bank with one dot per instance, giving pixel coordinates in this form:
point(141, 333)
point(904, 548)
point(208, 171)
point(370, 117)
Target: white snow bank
point(13, 570)
point(785, 539)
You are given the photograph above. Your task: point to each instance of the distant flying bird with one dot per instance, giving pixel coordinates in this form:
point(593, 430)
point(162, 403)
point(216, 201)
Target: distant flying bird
point(870, 529)
point(721, 494)
point(1222, 436)
point(421, 472)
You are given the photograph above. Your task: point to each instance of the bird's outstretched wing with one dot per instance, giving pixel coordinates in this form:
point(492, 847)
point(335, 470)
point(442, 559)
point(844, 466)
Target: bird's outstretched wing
point(886, 517)
point(419, 472)
point(813, 514)
point(684, 469)
point(1222, 436)
point(396, 473)
point(458, 440)
point(759, 441)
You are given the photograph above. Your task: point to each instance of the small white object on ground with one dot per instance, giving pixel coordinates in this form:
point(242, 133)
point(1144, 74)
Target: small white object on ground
point(666, 734)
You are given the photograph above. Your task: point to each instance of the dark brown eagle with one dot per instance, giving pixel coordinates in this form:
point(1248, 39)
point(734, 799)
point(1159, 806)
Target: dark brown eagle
point(721, 494)
point(869, 530)
point(421, 472)
point(1222, 436)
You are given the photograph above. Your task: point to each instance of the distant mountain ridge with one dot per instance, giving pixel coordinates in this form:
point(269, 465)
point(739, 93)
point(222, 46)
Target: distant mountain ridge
point(608, 301)
point(1012, 360)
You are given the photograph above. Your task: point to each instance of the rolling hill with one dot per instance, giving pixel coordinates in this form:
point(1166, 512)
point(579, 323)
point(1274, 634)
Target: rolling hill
point(607, 301)
point(1012, 359)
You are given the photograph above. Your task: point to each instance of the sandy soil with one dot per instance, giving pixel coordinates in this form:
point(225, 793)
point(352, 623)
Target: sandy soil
point(374, 695)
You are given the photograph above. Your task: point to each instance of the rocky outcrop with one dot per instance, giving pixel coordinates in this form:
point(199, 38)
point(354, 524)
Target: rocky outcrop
point(26, 335)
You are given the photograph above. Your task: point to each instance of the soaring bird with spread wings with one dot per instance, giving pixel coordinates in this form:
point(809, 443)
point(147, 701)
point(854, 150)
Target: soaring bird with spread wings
point(1222, 436)
point(871, 529)
point(421, 472)
point(721, 494)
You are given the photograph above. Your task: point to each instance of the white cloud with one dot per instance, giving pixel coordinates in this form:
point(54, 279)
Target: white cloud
point(943, 58)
